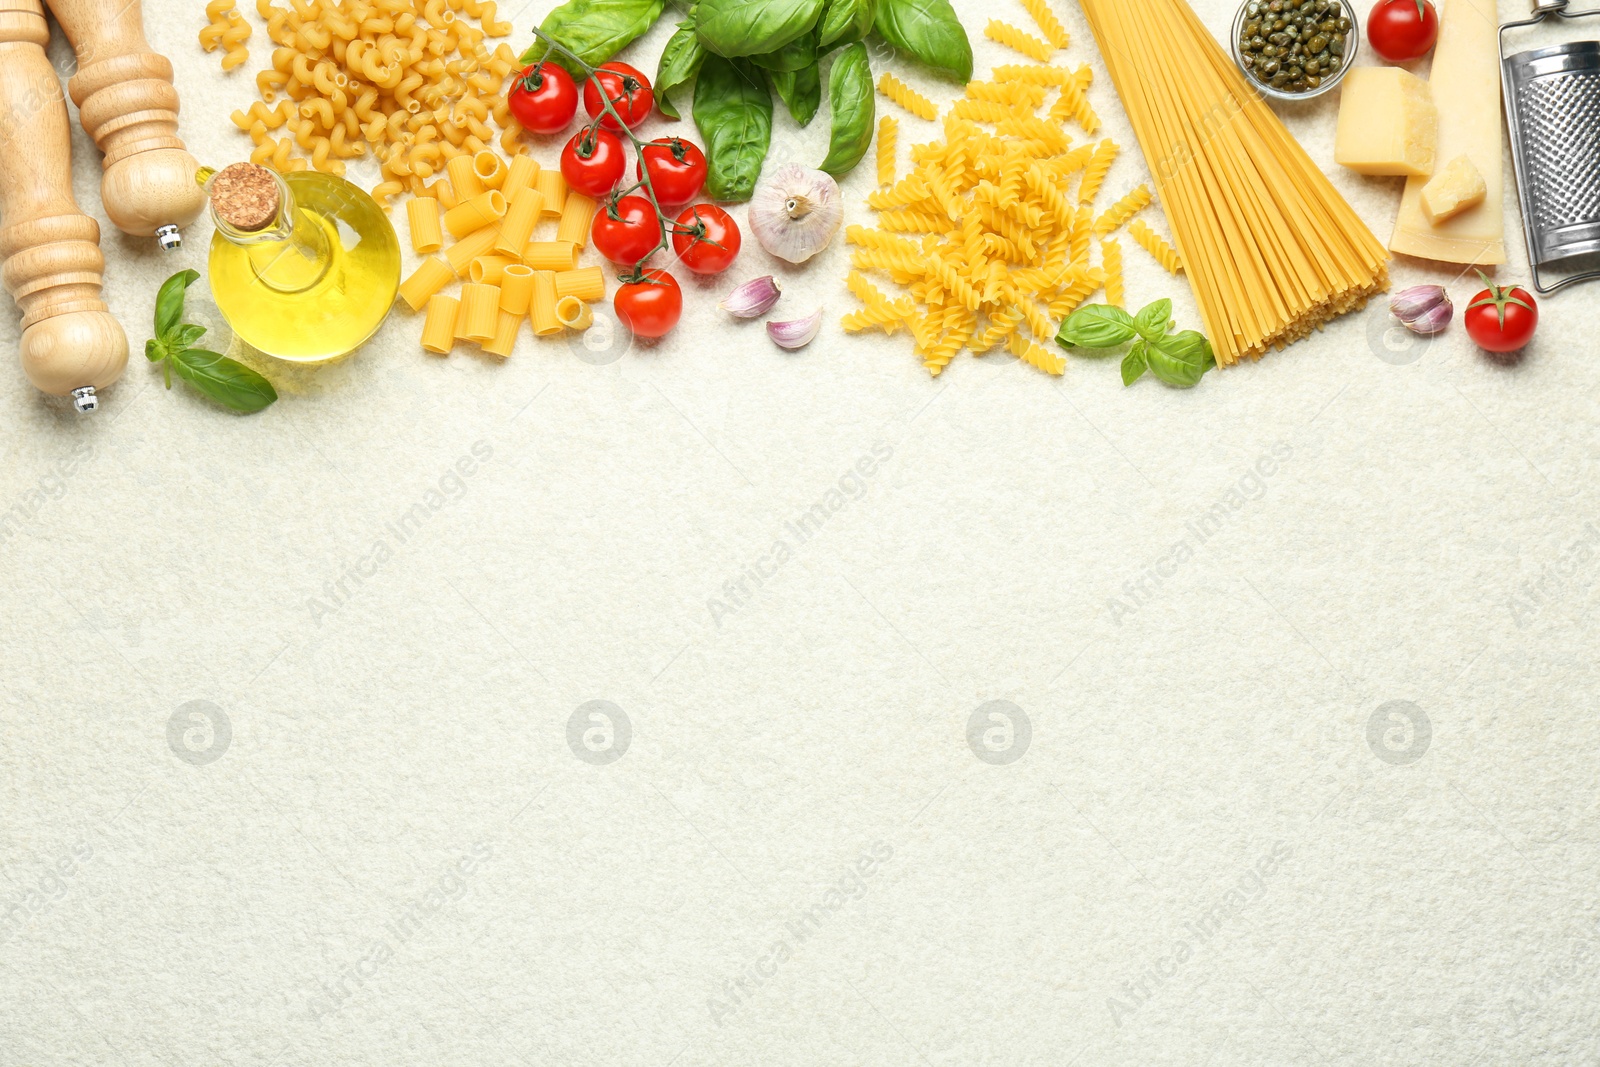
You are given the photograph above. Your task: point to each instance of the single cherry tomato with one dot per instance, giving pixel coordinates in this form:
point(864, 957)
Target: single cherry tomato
point(593, 162)
point(626, 230)
point(677, 169)
point(1403, 30)
point(709, 241)
point(543, 98)
point(628, 90)
point(651, 304)
point(1502, 318)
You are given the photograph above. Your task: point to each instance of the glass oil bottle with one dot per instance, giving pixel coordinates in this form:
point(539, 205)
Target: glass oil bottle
point(304, 266)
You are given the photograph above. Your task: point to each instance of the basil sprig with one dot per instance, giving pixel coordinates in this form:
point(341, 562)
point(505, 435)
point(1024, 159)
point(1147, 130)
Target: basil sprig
point(1178, 359)
point(224, 380)
point(851, 103)
point(733, 109)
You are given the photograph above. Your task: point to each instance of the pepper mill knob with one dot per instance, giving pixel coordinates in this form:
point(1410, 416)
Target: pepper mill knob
point(127, 103)
point(70, 344)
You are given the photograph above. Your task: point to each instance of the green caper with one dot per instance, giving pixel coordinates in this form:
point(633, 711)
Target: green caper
point(1317, 43)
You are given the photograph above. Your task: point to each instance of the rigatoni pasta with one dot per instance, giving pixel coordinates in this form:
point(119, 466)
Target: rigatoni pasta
point(505, 334)
point(422, 214)
point(521, 217)
point(543, 309)
point(586, 283)
point(433, 275)
point(516, 289)
point(439, 327)
point(577, 214)
point(480, 311)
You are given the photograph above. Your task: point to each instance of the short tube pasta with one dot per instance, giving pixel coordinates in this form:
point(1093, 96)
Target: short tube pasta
point(478, 243)
point(505, 335)
point(543, 309)
point(522, 174)
point(488, 270)
point(464, 178)
point(574, 314)
point(550, 255)
point(554, 188)
point(475, 214)
point(586, 283)
point(422, 213)
point(480, 311)
point(521, 217)
point(516, 289)
point(576, 217)
point(439, 328)
point(433, 275)
point(490, 169)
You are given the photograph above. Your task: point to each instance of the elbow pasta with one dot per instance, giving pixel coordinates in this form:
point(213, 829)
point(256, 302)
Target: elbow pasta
point(907, 97)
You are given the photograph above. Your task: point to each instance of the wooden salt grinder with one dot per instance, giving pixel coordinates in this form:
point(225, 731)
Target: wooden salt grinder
point(70, 343)
point(127, 103)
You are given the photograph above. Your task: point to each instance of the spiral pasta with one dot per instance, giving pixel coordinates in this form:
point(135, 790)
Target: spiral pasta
point(1094, 175)
point(1157, 246)
point(1111, 263)
point(1049, 25)
point(1119, 213)
point(907, 97)
point(1018, 40)
point(888, 135)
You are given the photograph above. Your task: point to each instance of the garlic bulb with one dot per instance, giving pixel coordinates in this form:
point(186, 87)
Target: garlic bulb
point(1424, 309)
point(795, 212)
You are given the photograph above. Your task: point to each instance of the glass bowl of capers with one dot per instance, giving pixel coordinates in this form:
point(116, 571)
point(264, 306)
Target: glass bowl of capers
point(1295, 49)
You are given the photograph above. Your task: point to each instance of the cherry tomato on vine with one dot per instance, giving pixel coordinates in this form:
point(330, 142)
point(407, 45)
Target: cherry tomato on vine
point(649, 306)
point(593, 162)
point(1403, 30)
point(628, 90)
point(1502, 318)
point(543, 98)
point(714, 243)
point(677, 169)
point(626, 230)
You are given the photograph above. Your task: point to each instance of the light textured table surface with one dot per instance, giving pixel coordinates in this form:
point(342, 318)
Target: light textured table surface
point(393, 855)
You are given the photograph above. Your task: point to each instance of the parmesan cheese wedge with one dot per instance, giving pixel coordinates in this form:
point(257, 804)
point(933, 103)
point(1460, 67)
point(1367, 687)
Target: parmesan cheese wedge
point(1457, 187)
point(1466, 92)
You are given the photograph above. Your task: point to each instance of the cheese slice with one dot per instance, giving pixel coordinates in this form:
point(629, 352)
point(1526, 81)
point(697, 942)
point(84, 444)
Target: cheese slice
point(1457, 187)
point(1387, 123)
point(1466, 91)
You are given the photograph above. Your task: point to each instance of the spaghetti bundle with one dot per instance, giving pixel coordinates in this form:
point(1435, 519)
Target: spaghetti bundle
point(1270, 247)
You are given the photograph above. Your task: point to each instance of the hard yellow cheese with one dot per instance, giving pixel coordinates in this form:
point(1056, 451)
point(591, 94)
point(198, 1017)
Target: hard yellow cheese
point(1387, 123)
point(1457, 187)
point(1466, 91)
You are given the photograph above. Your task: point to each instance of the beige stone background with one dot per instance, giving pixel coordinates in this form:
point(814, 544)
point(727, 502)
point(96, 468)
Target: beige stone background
point(280, 787)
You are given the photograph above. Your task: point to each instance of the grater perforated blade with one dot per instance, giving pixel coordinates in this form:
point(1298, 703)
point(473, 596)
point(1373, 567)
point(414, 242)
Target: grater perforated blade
point(1553, 110)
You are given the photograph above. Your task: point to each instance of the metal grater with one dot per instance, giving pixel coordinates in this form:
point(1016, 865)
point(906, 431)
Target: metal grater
point(1553, 109)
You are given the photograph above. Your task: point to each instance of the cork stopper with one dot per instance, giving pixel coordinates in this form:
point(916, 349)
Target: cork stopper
point(245, 196)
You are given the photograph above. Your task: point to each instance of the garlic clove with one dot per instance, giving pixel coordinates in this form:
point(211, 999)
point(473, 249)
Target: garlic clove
point(795, 211)
point(796, 334)
point(1411, 306)
point(752, 299)
point(1432, 321)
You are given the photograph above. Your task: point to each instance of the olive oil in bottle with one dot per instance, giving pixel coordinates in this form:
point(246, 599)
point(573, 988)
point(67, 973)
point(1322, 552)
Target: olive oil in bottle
point(304, 266)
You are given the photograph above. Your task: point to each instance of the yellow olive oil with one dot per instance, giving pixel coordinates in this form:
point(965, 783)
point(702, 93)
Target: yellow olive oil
point(321, 284)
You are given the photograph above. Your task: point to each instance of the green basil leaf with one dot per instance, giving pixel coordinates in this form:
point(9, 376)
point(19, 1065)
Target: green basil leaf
point(595, 30)
point(929, 32)
point(1096, 326)
point(155, 351)
point(169, 301)
point(734, 28)
point(852, 107)
point(1153, 321)
point(733, 109)
point(184, 335)
point(224, 380)
point(1181, 359)
point(800, 91)
point(1135, 363)
point(846, 21)
point(680, 62)
point(796, 55)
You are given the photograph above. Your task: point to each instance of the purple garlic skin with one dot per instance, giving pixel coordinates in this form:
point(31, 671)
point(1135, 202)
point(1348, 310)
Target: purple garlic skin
point(796, 334)
point(752, 299)
point(1424, 309)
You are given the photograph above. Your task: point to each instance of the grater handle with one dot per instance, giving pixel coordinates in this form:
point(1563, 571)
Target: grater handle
point(1545, 290)
point(1541, 8)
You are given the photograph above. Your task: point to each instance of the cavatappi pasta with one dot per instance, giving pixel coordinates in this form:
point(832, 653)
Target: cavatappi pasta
point(985, 236)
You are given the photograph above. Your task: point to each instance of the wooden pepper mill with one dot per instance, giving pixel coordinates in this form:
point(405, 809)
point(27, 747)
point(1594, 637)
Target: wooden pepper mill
point(70, 344)
point(127, 103)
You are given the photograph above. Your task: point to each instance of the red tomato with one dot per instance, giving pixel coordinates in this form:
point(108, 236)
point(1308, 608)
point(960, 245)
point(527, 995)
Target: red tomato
point(628, 90)
point(1502, 318)
point(677, 169)
point(627, 230)
point(543, 98)
point(711, 242)
point(593, 162)
point(1403, 30)
point(650, 306)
